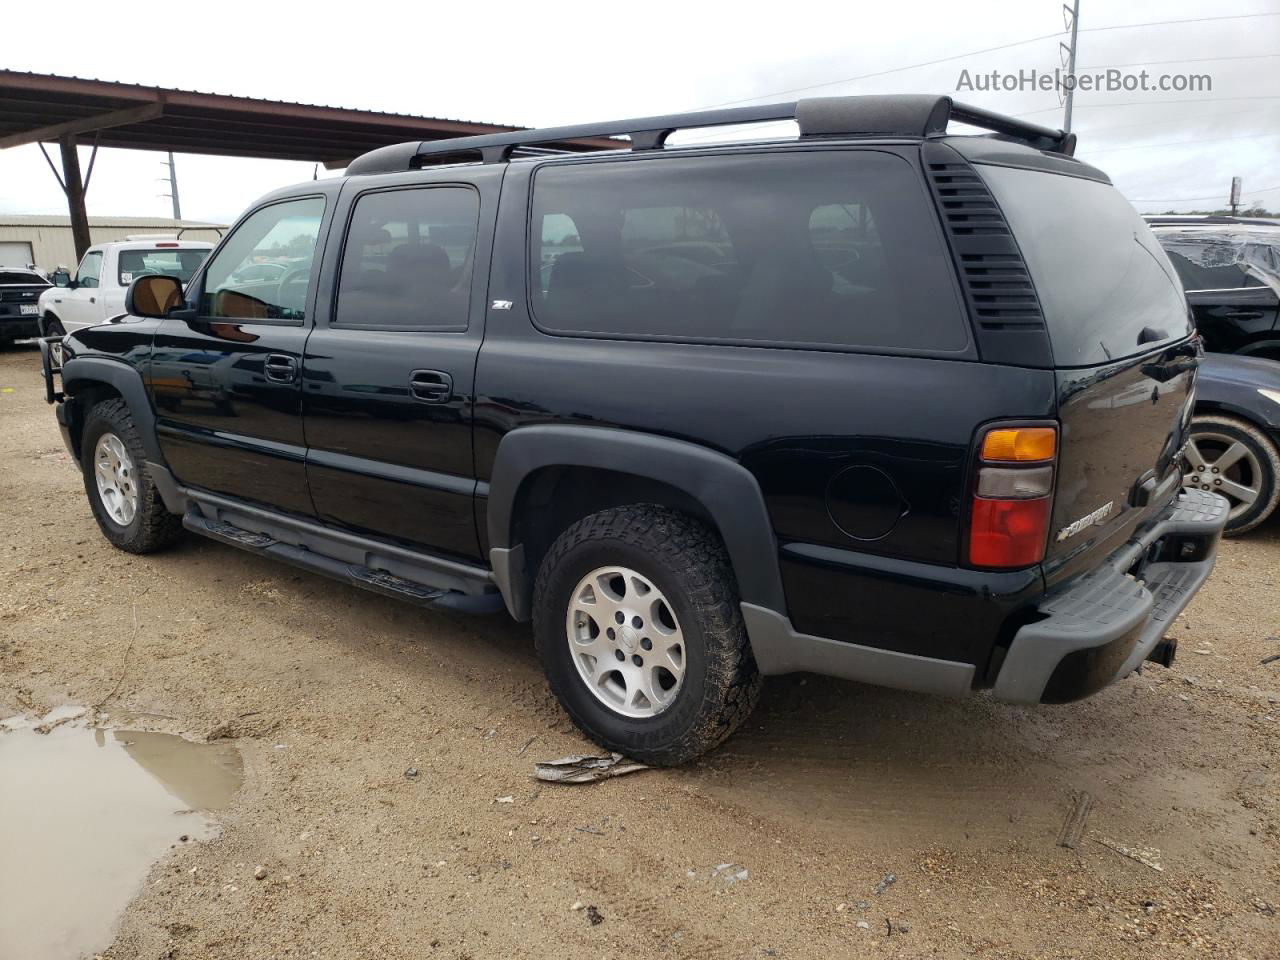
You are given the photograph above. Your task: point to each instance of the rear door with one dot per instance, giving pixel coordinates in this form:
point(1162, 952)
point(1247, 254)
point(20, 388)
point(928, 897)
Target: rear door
point(389, 371)
point(1122, 345)
point(225, 376)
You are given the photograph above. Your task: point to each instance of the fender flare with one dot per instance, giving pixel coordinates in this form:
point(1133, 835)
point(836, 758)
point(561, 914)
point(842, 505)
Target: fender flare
point(127, 381)
point(726, 489)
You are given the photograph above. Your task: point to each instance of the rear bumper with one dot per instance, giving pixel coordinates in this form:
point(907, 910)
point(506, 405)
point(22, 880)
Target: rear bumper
point(19, 328)
point(1101, 626)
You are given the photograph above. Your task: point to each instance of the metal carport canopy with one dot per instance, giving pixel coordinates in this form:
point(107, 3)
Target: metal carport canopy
point(40, 108)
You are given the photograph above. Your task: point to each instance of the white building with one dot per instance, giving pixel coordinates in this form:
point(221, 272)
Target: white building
point(46, 240)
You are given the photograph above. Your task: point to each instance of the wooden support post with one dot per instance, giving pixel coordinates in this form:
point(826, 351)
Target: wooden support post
point(75, 195)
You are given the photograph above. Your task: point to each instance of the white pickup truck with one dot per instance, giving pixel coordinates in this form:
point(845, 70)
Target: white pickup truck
point(96, 293)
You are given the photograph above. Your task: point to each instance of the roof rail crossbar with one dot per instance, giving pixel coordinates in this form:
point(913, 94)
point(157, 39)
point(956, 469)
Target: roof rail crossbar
point(905, 115)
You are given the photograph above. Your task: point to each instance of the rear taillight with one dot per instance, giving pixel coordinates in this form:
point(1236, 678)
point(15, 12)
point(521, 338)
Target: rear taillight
point(1012, 496)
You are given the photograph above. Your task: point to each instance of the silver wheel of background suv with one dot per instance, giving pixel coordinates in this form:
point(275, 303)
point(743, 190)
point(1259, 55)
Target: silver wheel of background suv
point(1224, 465)
point(114, 472)
point(625, 642)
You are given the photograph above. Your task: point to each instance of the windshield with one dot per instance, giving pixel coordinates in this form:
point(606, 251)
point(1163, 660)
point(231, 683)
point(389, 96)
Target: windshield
point(181, 264)
point(1105, 285)
point(1215, 261)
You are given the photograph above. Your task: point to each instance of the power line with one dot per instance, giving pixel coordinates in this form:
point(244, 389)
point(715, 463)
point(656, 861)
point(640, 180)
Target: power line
point(1179, 143)
point(1167, 23)
point(1156, 63)
point(1215, 196)
point(974, 53)
point(1144, 103)
point(878, 73)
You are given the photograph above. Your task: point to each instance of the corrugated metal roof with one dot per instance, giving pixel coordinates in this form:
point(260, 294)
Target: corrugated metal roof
point(53, 220)
point(142, 87)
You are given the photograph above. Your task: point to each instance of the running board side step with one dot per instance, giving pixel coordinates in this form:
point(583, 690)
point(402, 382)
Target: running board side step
point(357, 575)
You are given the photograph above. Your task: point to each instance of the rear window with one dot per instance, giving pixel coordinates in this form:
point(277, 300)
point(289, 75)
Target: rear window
point(179, 264)
point(10, 278)
point(1105, 285)
point(835, 249)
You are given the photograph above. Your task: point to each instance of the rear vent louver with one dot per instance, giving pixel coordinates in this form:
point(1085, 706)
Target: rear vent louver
point(995, 277)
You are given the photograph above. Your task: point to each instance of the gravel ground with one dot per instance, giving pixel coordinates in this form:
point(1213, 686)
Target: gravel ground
point(331, 694)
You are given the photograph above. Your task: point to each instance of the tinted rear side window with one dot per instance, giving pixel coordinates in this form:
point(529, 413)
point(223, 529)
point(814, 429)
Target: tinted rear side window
point(836, 249)
point(1105, 285)
point(408, 258)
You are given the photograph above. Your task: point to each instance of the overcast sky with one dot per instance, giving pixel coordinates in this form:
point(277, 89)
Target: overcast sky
point(540, 64)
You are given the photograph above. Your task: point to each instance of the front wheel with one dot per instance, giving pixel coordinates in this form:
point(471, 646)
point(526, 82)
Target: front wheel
point(1234, 458)
point(123, 497)
point(637, 625)
point(53, 327)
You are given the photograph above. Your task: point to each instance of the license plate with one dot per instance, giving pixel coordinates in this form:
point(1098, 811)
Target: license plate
point(28, 309)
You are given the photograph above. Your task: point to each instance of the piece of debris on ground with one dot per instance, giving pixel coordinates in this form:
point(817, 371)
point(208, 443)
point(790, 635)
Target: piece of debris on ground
point(585, 769)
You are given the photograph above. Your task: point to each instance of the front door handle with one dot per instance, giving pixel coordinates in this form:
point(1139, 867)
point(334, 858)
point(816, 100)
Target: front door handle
point(431, 386)
point(280, 368)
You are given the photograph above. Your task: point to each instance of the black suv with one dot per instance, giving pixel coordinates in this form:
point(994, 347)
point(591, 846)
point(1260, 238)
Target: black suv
point(877, 402)
point(20, 290)
point(1230, 269)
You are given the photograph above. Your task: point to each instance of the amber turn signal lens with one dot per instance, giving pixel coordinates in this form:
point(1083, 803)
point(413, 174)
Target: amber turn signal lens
point(1020, 444)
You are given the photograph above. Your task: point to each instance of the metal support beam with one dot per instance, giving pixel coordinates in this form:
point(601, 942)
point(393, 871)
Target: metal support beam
point(56, 131)
point(75, 194)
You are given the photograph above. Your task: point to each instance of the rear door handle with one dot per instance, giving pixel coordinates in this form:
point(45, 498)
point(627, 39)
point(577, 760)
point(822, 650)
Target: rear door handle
point(280, 368)
point(431, 386)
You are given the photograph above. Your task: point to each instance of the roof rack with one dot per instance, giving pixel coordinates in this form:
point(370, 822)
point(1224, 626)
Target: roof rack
point(897, 115)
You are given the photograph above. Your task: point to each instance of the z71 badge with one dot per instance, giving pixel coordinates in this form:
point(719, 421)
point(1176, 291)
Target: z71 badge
point(1071, 529)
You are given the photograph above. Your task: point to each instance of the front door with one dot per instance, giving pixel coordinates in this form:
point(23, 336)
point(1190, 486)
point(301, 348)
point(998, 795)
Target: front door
point(225, 377)
point(78, 305)
point(387, 381)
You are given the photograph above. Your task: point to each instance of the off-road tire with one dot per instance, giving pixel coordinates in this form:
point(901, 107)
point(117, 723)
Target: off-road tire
point(688, 563)
point(153, 527)
point(1261, 446)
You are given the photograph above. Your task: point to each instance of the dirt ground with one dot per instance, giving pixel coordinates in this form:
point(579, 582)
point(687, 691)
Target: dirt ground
point(331, 694)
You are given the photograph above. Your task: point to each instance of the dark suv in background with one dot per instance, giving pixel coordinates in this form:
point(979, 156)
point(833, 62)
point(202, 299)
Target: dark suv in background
point(1230, 269)
point(20, 289)
point(879, 402)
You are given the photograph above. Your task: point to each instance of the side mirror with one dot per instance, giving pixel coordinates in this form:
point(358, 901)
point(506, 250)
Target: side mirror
point(154, 295)
point(61, 278)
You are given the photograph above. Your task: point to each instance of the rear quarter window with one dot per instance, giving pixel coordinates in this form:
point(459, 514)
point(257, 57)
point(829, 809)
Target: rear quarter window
point(835, 249)
point(1106, 287)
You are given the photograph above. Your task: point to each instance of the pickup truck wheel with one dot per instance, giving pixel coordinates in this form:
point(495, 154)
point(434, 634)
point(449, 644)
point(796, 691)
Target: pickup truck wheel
point(53, 327)
point(124, 500)
point(637, 624)
point(1234, 458)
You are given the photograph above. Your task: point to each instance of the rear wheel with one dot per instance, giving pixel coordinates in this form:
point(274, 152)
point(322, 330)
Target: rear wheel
point(124, 500)
point(1234, 458)
point(636, 622)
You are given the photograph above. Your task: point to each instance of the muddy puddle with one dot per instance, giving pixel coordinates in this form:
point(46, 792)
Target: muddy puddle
point(84, 812)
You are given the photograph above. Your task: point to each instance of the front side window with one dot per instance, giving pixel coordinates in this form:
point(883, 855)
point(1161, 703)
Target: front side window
point(408, 259)
point(90, 269)
point(282, 234)
point(835, 248)
point(179, 264)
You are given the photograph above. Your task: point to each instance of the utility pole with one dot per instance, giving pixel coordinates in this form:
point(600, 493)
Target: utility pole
point(1071, 14)
point(1235, 195)
point(173, 187)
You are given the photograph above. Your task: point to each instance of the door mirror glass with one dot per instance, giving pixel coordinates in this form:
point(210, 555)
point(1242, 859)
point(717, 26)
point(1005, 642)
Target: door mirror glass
point(61, 278)
point(155, 295)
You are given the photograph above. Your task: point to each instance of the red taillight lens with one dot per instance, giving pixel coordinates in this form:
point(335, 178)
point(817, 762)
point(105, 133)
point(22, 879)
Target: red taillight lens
point(1012, 495)
point(1008, 533)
